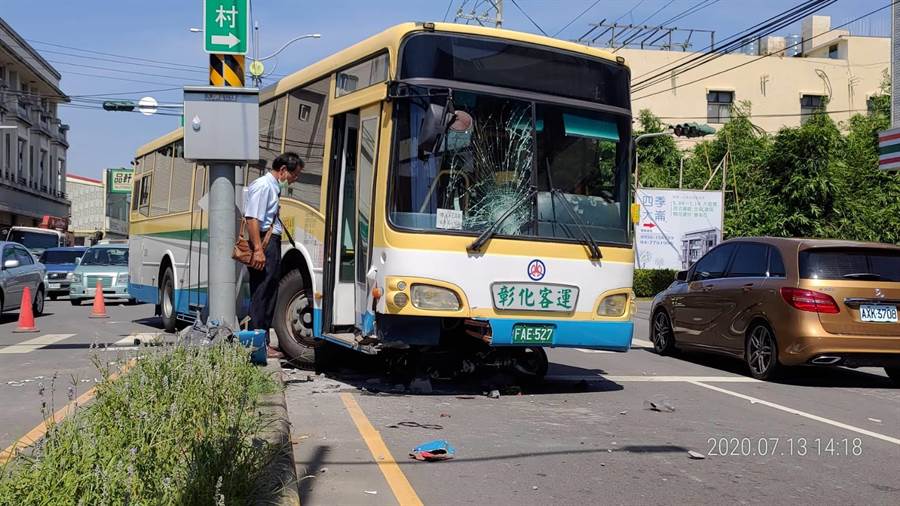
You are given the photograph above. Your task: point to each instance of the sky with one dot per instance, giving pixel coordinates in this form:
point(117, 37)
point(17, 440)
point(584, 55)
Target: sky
point(68, 34)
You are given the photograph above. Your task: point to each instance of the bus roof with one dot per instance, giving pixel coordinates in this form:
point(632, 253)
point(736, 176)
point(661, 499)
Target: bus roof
point(390, 39)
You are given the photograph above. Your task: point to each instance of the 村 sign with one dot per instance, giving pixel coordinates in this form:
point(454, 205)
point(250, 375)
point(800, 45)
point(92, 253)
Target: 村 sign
point(226, 26)
point(676, 227)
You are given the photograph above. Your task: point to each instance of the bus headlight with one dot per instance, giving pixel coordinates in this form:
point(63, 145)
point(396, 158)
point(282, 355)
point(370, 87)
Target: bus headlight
point(613, 305)
point(434, 297)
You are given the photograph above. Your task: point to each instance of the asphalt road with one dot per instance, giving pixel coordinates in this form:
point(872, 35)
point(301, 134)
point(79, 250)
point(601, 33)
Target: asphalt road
point(827, 436)
point(586, 436)
point(61, 356)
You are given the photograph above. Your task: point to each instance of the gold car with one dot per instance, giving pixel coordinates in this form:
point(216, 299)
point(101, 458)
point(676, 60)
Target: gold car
point(785, 302)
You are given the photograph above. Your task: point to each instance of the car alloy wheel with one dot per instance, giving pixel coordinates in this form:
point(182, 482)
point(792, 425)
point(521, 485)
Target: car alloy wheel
point(762, 353)
point(662, 335)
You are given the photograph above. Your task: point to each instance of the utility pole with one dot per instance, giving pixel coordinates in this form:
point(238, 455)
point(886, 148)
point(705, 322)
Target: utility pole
point(493, 13)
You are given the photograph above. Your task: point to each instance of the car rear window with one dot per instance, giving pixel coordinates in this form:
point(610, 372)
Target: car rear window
point(850, 263)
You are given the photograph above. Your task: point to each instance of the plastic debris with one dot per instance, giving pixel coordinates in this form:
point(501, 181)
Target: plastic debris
point(623, 412)
point(876, 420)
point(438, 449)
point(696, 455)
point(370, 492)
point(493, 394)
point(534, 487)
point(445, 415)
point(659, 406)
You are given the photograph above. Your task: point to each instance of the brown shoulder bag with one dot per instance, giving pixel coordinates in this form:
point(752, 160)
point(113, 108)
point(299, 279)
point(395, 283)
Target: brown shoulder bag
point(242, 252)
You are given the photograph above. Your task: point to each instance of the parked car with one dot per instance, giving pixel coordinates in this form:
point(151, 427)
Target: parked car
point(18, 270)
point(60, 264)
point(107, 263)
point(786, 302)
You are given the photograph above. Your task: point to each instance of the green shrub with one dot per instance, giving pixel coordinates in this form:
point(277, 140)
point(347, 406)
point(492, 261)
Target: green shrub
point(649, 282)
point(178, 428)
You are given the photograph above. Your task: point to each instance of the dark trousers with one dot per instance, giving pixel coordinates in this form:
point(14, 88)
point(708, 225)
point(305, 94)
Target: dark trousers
point(264, 287)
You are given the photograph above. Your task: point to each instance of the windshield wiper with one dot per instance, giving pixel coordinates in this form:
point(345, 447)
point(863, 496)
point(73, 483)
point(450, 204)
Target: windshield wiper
point(489, 232)
point(587, 240)
point(863, 275)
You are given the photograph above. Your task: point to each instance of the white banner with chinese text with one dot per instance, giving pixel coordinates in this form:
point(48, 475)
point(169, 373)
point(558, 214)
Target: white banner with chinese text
point(676, 227)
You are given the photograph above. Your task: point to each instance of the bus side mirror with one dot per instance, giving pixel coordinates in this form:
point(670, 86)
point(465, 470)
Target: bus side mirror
point(434, 126)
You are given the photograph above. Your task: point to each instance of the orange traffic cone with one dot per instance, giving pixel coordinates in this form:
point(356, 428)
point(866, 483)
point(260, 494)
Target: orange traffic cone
point(26, 315)
point(99, 310)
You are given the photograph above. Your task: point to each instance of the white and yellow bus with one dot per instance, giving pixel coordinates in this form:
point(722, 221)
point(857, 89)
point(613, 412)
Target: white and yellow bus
point(465, 189)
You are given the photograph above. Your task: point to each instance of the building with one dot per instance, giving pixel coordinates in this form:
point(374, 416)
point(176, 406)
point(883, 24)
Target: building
point(100, 207)
point(836, 71)
point(32, 138)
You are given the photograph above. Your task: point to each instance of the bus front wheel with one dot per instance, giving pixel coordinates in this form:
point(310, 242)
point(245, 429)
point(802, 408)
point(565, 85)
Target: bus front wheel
point(293, 320)
point(167, 300)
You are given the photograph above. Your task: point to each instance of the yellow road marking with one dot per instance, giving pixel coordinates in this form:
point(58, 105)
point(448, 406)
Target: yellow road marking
point(38, 432)
point(403, 491)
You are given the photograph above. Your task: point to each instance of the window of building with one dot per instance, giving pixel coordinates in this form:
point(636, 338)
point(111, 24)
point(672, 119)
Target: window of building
point(718, 106)
point(8, 158)
point(306, 137)
point(809, 105)
point(20, 167)
point(362, 75)
point(833, 52)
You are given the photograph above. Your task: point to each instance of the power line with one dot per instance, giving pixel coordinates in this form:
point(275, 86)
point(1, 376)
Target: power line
point(529, 17)
point(733, 42)
point(765, 55)
point(117, 55)
point(107, 69)
point(576, 18)
point(775, 115)
point(119, 61)
point(449, 6)
point(641, 29)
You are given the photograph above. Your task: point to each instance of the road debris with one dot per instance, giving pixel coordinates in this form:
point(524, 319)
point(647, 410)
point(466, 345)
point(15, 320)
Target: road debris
point(493, 394)
point(534, 487)
point(438, 449)
point(445, 415)
point(624, 412)
point(876, 420)
point(696, 455)
point(370, 492)
point(465, 396)
point(659, 406)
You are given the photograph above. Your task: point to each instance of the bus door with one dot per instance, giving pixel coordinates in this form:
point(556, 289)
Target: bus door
point(340, 280)
point(369, 127)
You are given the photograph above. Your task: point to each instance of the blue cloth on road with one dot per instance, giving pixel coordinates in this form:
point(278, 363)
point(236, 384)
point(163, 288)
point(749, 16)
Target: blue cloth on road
point(439, 449)
point(262, 202)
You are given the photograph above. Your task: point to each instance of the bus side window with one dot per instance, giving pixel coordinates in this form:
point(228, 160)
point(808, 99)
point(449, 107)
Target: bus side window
point(162, 179)
point(143, 198)
point(199, 184)
point(182, 172)
point(306, 124)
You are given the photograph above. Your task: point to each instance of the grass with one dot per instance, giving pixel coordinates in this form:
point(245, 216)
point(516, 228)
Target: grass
point(179, 428)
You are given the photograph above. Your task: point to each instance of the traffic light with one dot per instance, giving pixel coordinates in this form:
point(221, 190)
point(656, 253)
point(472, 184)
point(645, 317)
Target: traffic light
point(693, 130)
point(119, 105)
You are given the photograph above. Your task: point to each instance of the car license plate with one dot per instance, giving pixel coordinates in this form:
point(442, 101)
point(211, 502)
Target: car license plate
point(878, 313)
point(532, 334)
point(54, 285)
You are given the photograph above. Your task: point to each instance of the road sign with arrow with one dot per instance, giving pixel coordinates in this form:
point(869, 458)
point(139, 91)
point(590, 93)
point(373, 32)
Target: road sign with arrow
point(226, 26)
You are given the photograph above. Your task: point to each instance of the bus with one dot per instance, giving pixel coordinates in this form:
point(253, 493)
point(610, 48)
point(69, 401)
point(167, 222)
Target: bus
point(466, 193)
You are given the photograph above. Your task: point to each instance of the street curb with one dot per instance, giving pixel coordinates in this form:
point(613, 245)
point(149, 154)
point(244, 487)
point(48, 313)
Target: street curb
point(279, 485)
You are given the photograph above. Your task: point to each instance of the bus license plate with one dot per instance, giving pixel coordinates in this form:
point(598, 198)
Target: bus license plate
point(532, 334)
point(878, 313)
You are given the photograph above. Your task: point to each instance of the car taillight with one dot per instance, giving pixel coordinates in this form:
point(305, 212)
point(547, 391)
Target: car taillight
point(809, 300)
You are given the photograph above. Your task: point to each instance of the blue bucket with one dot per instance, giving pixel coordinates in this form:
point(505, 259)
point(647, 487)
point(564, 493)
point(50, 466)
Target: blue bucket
point(256, 341)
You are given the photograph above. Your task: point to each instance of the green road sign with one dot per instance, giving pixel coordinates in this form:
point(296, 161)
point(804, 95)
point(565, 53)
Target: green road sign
point(226, 26)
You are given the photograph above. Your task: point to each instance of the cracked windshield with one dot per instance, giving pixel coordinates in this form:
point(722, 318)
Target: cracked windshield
point(497, 153)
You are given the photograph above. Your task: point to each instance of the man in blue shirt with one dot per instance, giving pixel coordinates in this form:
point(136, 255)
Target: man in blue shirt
point(261, 211)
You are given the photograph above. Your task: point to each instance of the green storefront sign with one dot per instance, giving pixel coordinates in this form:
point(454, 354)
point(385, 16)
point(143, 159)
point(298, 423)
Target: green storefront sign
point(118, 180)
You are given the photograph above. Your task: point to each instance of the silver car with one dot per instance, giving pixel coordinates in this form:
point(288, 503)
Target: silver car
point(18, 270)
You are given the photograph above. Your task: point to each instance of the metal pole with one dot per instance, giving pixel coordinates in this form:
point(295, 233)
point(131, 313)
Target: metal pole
point(680, 172)
point(222, 284)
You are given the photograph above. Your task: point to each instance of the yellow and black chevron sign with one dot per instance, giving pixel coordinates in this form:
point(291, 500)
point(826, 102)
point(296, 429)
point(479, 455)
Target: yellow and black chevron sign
point(226, 70)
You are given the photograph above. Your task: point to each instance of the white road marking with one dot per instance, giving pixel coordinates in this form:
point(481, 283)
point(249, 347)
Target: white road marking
point(642, 343)
point(654, 379)
point(582, 350)
point(754, 400)
point(36, 343)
